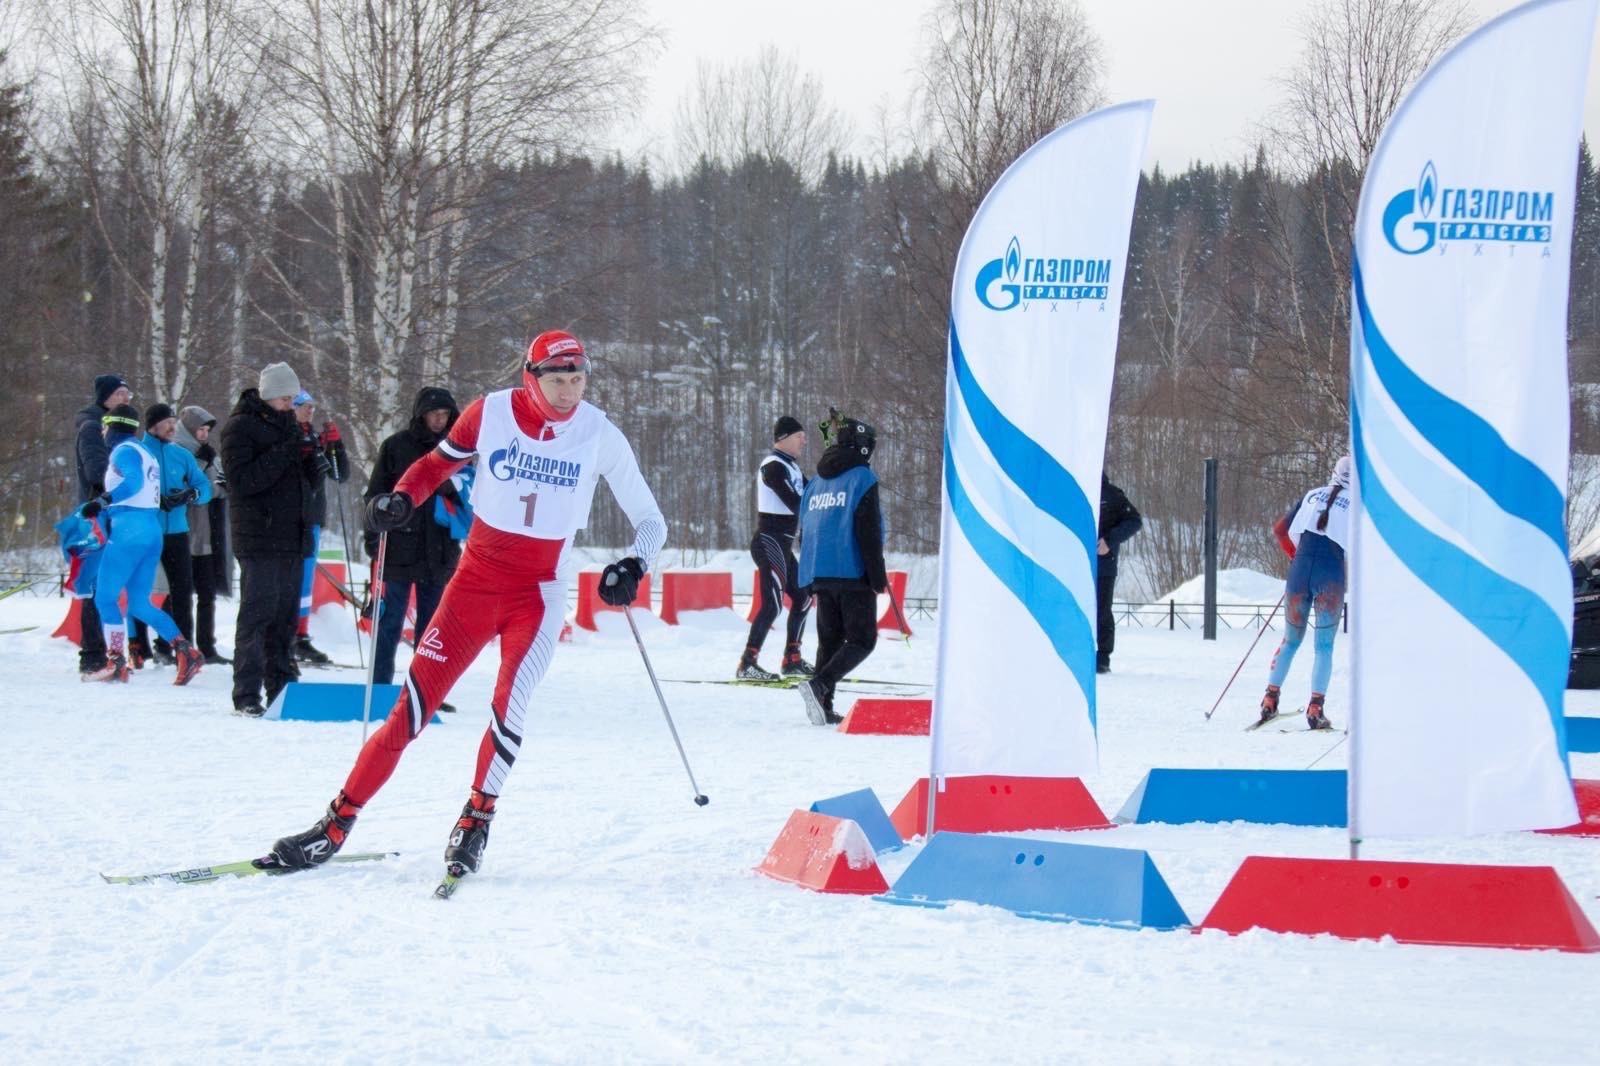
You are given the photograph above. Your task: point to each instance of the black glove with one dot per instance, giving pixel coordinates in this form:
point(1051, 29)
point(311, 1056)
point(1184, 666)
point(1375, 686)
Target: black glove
point(95, 506)
point(179, 498)
point(205, 453)
point(619, 582)
point(389, 510)
point(316, 465)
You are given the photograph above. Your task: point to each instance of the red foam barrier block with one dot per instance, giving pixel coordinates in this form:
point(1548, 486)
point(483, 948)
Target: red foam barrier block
point(1587, 794)
point(590, 603)
point(995, 804)
point(824, 854)
point(897, 588)
point(323, 590)
point(694, 591)
point(755, 597)
point(1413, 902)
point(71, 626)
point(888, 717)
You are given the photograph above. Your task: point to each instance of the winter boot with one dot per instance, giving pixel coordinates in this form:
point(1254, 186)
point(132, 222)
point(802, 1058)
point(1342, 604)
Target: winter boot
point(1315, 719)
point(1269, 705)
point(189, 661)
point(818, 707)
point(319, 843)
point(794, 665)
point(216, 658)
point(464, 853)
point(750, 670)
point(306, 652)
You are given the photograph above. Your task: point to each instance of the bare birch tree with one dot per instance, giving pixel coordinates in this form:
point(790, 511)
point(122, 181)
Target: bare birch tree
point(397, 106)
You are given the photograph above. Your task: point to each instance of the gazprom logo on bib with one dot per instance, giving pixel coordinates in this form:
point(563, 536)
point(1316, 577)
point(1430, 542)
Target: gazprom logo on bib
point(512, 462)
point(1432, 214)
point(1048, 279)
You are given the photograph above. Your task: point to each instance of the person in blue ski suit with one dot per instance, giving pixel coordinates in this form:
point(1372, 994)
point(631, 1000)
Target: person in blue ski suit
point(1314, 533)
point(131, 503)
point(182, 484)
point(841, 560)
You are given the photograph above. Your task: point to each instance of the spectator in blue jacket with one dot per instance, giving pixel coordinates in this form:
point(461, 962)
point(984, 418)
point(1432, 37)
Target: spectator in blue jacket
point(182, 484)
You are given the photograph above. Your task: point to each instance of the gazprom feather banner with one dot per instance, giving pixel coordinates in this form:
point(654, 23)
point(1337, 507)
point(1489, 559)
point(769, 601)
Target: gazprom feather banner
point(1461, 606)
point(1033, 337)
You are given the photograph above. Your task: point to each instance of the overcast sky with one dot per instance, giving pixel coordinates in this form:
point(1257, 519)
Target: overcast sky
point(1210, 65)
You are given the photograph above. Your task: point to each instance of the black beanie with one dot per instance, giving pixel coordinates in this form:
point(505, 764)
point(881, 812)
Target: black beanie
point(784, 426)
point(157, 412)
point(105, 385)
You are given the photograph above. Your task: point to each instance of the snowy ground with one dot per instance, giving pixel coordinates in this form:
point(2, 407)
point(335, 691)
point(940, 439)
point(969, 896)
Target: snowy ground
point(615, 921)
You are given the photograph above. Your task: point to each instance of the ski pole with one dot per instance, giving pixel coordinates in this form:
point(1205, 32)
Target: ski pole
point(375, 586)
point(344, 537)
point(700, 798)
point(905, 630)
point(1247, 652)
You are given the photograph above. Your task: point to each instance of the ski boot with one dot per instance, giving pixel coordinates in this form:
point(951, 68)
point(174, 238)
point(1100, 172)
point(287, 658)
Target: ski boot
point(115, 669)
point(189, 661)
point(306, 652)
point(1269, 705)
point(794, 665)
point(750, 670)
point(464, 853)
point(138, 655)
point(319, 843)
point(1315, 719)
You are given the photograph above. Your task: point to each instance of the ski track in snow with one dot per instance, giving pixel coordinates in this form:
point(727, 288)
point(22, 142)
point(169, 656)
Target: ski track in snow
point(615, 921)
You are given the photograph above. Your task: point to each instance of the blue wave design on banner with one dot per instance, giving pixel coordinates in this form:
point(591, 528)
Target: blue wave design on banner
point(1513, 618)
point(1513, 481)
point(1048, 486)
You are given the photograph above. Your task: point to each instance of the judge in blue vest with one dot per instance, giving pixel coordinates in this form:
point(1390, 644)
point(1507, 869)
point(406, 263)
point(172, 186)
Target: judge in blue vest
point(841, 559)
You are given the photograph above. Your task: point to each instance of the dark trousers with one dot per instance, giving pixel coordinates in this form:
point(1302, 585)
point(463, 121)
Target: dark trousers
point(847, 631)
point(1105, 637)
point(179, 568)
point(205, 603)
point(396, 595)
point(780, 575)
point(92, 646)
point(263, 642)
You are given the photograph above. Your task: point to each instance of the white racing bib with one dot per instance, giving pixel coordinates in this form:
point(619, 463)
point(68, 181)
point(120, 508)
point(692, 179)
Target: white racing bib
point(149, 493)
point(537, 488)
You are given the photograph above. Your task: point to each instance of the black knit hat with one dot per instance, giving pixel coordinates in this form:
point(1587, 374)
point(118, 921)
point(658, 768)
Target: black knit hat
point(784, 426)
point(123, 418)
point(157, 412)
point(105, 385)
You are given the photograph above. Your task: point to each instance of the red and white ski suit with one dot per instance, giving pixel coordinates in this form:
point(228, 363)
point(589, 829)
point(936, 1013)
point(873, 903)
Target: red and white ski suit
point(535, 482)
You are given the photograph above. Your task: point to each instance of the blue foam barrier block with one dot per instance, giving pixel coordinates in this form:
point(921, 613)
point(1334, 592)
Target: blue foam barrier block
point(1266, 797)
point(1041, 879)
point(865, 809)
point(1583, 734)
point(332, 701)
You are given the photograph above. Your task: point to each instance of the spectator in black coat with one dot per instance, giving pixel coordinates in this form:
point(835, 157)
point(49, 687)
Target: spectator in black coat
point(1119, 520)
point(91, 455)
point(272, 476)
point(421, 555)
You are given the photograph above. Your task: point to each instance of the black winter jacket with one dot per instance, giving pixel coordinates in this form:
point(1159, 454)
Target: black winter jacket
point(270, 485)
point(90, 452)
point(421, 550)
point(1119, 520)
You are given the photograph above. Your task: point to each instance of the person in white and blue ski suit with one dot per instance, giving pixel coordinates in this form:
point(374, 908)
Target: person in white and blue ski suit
point(131, 503)
point(1315, 533)
point(182, 484)
point(841, 561)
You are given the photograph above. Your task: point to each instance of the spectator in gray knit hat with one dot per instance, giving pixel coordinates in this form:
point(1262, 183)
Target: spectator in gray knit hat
point(278, 381)
point(271, 482)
